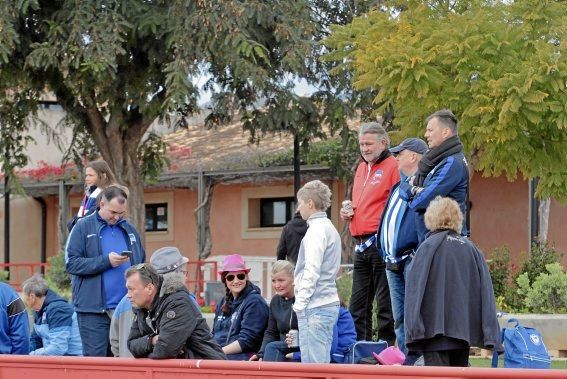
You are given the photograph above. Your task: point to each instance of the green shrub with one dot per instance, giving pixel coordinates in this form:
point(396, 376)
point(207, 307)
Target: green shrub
point(57, 277)
point(540, 256)
point(344, 287)
point(505, 281)
point(499, 266)
point(4, 274)
point(547, 293)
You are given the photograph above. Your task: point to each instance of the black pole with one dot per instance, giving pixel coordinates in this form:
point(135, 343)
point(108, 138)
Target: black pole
point(534, 212)
point(296, 165)
point(7, 221)
point(43, 248)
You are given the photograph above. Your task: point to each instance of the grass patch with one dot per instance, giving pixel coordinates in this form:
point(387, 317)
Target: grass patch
point(560, 364)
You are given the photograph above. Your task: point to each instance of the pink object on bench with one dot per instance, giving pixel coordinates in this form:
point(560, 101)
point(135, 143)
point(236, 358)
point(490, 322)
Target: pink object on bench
point(390, 356)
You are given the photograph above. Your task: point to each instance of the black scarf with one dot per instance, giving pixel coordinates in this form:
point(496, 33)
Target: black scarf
point(383, 155)
point(450, 146)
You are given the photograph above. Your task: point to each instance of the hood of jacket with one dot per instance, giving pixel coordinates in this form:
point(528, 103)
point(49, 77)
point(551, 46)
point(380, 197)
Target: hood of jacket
point(50, 298)
point(250, 289)
point(169, 283)
point(297, 224)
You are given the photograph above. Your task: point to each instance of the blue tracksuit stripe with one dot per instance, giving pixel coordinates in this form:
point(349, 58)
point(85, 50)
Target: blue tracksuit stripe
point(434, 188)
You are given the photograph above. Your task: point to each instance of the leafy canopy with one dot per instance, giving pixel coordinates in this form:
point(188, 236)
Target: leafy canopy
point(501, 66)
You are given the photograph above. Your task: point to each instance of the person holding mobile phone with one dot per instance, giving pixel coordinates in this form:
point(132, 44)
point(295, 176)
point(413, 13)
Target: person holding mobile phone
point(94, 258)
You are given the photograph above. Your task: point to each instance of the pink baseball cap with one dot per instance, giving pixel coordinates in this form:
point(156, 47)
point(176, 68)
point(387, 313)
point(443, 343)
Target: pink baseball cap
point(233, 263)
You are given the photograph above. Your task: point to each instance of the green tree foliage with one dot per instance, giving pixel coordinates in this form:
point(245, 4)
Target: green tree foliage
point(334, 153)
point(501, 66)
point(116, 67)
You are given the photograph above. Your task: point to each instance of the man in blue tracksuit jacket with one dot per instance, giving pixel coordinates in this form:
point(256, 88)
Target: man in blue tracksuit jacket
point(55, 330)
point(442, 171)
point(94, 258)
point(14, 323)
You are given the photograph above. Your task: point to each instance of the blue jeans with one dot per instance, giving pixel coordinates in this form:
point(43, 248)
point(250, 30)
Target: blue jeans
point(94, 329)
point(275, 351)
point(397, 284)
point(316, 333)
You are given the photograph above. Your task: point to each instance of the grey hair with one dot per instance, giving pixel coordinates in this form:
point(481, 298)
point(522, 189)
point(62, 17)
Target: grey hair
point(36, 285)
point(147, 272)
point(447, 119)
point(317, 191)
point(283, 266)
point(375, 128)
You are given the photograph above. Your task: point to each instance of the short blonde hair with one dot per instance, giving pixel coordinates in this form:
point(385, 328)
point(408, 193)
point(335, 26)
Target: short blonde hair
point(283, 266)
point(317, 191)
point(444, 213)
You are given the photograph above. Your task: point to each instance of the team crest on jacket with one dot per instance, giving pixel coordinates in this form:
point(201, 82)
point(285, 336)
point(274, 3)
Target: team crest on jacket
point(377, 177)
point(535, 339)
point(170, 314)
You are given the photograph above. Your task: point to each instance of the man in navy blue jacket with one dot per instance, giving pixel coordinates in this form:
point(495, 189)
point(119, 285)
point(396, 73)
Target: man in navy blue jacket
point(442, 171)
point(398, 233)
point(14, 322)
point(94, 258)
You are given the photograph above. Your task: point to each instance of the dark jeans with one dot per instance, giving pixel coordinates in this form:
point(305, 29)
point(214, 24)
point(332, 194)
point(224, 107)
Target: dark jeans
point(94, 329)
point(276, 351)
point(369, 282)
point(454, 358)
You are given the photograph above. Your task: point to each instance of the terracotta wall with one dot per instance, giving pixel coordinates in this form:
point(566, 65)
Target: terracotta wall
point(499, 216)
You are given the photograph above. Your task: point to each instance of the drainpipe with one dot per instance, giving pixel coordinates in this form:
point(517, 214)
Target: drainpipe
point(7, 221)
point(533, 212)
point(43, 249)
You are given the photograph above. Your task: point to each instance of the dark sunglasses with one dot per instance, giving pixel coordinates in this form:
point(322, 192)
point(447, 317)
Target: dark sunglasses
point(230, 277)
point(141, 267)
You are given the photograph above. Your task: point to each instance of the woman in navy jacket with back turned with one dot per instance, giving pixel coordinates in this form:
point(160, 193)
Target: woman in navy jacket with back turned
point(241, 317)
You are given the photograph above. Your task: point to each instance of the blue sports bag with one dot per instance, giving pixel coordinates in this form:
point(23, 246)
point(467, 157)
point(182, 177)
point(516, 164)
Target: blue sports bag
point(362, 350)
point(523, 348)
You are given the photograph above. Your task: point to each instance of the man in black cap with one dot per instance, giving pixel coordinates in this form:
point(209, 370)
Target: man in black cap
point(398, 233)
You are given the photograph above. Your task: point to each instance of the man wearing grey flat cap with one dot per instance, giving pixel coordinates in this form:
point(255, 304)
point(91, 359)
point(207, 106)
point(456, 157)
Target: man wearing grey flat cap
point(398, 234)
point(167, 260)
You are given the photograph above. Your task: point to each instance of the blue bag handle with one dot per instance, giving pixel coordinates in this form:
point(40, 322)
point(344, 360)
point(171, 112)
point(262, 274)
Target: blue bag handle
point(494, 352)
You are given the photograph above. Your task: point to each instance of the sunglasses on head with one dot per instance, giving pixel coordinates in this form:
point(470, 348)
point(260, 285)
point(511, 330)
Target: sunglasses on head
point(230, 277)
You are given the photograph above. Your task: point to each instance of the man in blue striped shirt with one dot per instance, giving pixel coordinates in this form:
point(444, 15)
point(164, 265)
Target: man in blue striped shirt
point(398, 233)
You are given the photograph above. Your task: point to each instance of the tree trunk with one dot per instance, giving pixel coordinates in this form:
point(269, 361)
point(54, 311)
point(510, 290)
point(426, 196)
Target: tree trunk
point(543, 214)
point(347, 241)
point(204, 240)
point(132, 179)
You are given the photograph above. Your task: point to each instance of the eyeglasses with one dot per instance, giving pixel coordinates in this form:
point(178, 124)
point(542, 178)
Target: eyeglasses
point(142, 267)
point(230, 277)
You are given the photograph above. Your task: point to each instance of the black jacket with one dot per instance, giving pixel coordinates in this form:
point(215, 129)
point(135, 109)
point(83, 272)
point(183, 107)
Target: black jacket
point(183, 332)
point(290, 240)
point(282, 319)
point(449, 293)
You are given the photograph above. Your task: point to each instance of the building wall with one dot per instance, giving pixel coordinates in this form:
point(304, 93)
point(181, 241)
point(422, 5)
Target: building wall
point(25, 229)
point(499, 217)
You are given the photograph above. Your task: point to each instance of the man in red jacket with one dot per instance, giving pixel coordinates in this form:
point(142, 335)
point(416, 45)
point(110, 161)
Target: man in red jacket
point(375, 175)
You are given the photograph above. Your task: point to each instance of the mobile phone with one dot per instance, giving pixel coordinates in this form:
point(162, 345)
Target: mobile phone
point(126, 253)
